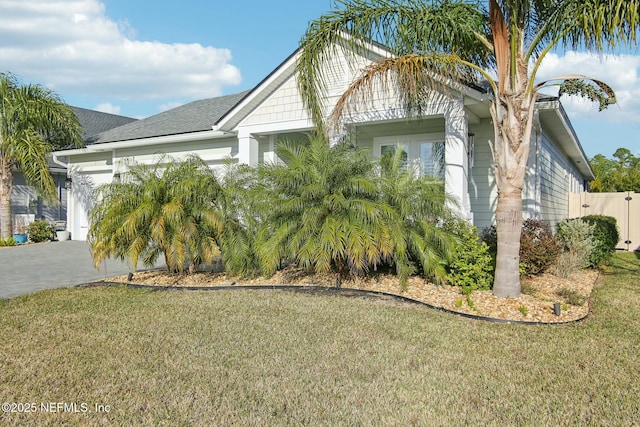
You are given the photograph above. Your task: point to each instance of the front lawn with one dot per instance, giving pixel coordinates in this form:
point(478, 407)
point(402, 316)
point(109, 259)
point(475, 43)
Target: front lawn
point(280, 358)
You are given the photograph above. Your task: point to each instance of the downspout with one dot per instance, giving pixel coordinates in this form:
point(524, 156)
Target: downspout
point(536, 190)
point(59, 162)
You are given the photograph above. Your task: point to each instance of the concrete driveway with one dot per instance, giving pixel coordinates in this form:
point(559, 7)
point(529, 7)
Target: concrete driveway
point(33, 267)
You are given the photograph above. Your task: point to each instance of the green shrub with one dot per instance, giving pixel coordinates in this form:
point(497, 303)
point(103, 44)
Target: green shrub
point(169, 208)
point(576, 236)
point(40, 231)
point(538, 246)
point(329, 209)
point(9, 241)
point(572, 297)
point(605, 238)
point(471, 266)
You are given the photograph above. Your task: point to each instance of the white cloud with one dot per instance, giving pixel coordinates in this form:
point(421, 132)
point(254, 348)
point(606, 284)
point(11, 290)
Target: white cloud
point(73, 47)
point(618, 71)
point(107, 107)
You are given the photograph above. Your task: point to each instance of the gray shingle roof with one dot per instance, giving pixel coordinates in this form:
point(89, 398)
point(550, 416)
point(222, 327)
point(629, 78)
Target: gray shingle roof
point(94, 122)
point(196, 116)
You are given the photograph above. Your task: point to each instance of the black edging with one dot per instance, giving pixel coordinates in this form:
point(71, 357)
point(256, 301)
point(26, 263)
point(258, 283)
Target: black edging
point(339, 291)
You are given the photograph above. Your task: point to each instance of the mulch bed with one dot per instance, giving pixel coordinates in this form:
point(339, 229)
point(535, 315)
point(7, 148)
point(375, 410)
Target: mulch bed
point(535, 306)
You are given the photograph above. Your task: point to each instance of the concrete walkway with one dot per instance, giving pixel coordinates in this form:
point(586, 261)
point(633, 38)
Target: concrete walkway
point(33, 267)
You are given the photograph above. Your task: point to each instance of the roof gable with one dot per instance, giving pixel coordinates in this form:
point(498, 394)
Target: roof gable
point(93, 122)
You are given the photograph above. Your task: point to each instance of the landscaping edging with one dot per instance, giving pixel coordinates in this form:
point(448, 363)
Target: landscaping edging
point(333, 290)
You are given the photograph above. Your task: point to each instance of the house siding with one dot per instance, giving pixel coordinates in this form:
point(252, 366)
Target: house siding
point(483, 193)
point(558, 178)
point(214, 152)
point(25, 200)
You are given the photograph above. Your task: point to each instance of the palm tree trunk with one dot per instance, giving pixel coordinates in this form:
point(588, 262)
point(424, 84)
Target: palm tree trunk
point(508, 226)
point(6, 183)
point(513, 118)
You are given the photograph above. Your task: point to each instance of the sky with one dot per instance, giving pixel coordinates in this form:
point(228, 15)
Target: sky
point(138, 58)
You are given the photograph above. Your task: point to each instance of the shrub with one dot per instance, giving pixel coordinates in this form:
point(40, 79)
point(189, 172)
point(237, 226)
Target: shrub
point(538, 246)
point(322, 211)
point(169, 208)
point(327, 211)
point(9, 241)
point(576, 237)
point(40, 231)
point(422, 205)
point(572, 297)
point(471, 266)
point(605, 238)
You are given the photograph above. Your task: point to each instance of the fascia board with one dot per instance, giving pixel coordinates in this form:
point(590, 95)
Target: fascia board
point(134, 143)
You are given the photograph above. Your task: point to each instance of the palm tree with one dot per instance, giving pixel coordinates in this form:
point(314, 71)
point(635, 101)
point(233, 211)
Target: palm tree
point(325, 213)
point(433, 41)
point(169, 208)
point(30, 117)
point(242, 217)
point(422, 205)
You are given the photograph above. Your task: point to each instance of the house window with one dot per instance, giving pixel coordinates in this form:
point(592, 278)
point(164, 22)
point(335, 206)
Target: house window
point(390, 151)
point(424, 152)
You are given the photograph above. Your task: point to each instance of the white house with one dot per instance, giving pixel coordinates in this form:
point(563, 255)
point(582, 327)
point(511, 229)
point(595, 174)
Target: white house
point(247, 126)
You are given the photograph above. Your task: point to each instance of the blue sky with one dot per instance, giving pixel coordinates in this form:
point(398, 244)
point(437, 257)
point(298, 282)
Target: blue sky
point(138, 58)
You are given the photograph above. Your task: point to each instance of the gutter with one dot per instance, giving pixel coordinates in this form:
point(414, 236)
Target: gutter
point(55, 159)
point(555, 107)
point(135, 143)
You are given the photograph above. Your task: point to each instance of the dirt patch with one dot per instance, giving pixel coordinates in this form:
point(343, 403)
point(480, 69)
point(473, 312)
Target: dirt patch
point(535, 305)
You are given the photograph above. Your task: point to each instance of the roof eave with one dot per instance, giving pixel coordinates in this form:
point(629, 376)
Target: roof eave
point(141, 142)
point(555, 116)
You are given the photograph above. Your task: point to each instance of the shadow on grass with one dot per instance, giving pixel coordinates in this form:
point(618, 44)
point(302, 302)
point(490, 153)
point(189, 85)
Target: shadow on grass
point(623, 263)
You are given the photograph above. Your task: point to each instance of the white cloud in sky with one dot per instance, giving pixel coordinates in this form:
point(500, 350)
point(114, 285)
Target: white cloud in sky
point(618, 71)
point(107, 107)
point(84, 52)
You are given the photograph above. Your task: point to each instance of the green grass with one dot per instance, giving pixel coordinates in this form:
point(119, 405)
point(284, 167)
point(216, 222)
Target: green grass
point(280, 358)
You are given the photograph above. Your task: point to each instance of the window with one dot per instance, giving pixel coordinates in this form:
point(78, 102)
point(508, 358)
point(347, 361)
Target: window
point(424, 152)
point(390, 151)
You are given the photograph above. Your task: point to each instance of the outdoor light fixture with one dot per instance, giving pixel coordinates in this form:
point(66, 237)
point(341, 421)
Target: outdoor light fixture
point(67, 182)
point(116, 177)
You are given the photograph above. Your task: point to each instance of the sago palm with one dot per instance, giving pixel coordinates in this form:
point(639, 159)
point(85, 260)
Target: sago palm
point(460, 41)
point(30, 116)
point(168, 208)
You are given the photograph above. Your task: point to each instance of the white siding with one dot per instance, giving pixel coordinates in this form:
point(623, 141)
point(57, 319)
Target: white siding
point(558, 178)
point(483, 193)
point(214, 152)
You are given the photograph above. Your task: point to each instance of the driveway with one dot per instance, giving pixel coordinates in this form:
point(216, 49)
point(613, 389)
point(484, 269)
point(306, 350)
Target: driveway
point(34, 267)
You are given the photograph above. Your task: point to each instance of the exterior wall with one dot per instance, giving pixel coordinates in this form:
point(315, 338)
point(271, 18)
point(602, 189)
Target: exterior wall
point(549, 179)
point(24, 199)
point(483, 193)
point(558, 178)
point(214, 152)
point(90, 170)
